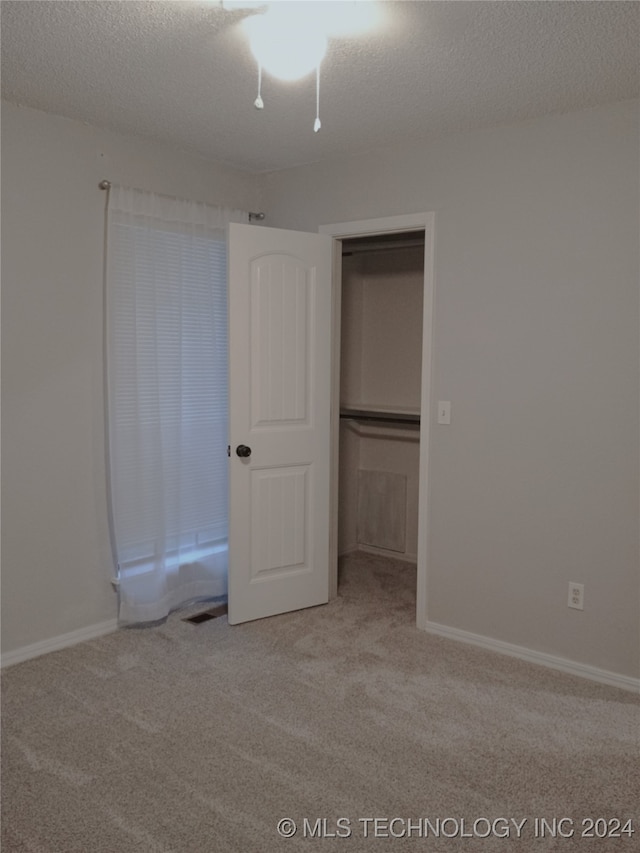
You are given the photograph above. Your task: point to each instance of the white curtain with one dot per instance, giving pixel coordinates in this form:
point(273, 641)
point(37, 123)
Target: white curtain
point(166, 349)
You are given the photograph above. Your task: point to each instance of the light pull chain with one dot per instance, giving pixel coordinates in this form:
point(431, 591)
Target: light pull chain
point(259, 103)
point(317, 124)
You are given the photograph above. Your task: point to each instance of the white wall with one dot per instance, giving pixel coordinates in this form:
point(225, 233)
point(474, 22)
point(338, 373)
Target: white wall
point(56, 557)
point(381, 354)
point(535, 483)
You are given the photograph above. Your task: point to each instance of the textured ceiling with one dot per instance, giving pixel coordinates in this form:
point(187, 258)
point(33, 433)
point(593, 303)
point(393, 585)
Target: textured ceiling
point(181, 72)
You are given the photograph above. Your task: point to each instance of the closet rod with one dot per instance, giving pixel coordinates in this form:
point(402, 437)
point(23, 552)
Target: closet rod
point(358, 250)
point(387, 417)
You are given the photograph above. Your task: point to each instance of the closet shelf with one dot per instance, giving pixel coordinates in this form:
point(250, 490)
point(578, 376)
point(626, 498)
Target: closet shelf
point(387, 415)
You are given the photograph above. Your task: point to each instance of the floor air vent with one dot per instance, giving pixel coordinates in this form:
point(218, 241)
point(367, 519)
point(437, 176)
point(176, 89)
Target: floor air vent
point(212, 613)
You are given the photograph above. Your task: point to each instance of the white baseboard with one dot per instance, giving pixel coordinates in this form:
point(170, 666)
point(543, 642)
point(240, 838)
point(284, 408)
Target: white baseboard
point(379, 552)
point(583, 670)
point(62, 641)
point(603, 676)
point(346, 551)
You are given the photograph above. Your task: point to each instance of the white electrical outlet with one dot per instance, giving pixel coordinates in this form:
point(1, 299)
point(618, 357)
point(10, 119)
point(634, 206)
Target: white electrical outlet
point(576, 595)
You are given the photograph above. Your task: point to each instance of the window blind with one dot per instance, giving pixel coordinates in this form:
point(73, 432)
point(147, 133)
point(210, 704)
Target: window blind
point(167, 368)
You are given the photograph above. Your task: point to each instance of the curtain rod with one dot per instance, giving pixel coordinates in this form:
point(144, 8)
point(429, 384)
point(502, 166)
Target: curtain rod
point(257, 216)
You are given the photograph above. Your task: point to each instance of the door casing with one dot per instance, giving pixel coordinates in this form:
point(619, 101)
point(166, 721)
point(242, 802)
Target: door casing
point(370, 227)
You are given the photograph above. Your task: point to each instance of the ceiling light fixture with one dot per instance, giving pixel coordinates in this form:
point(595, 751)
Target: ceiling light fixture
point(286, 42)
point(289, 38)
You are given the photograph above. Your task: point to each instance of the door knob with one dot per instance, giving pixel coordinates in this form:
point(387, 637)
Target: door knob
point(243, 451)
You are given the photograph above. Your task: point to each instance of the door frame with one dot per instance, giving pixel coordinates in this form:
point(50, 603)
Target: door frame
point(370, 227)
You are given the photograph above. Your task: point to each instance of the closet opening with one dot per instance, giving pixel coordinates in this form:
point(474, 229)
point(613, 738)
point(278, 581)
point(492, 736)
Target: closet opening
point(381, 311)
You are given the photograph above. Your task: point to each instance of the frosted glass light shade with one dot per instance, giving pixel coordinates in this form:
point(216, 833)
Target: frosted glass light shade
point(286, 45)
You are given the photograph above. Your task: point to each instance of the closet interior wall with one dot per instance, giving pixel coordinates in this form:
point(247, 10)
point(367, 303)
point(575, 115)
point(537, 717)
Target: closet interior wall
point(381, 353)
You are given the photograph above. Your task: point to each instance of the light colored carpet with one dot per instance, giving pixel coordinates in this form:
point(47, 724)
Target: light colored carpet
point(201, 738)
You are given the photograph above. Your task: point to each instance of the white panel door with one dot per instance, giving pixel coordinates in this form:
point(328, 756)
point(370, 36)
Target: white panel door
point(279, 413)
